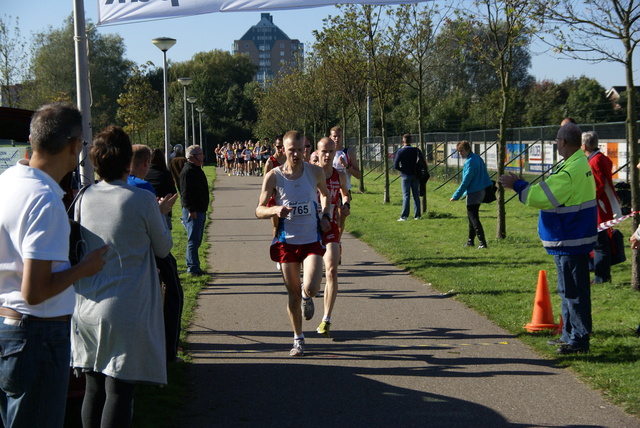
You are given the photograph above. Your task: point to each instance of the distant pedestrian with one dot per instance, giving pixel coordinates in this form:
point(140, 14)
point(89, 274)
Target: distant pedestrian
point(178, 152)
point(405, 161)
point(475, 180)
point(194, 196)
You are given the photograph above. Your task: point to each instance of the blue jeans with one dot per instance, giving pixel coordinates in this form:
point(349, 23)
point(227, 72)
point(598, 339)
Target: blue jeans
point(34, 372)
point(602, 258)
point(195, 230)
point(574, 289)
point(410, 185)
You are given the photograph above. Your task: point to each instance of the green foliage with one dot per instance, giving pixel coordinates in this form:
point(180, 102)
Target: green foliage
point(586, 101)
point(544, 101)
point(223, 84)
point(139, 106)
point(12, 56)
point(500, 282)
point(53, 71)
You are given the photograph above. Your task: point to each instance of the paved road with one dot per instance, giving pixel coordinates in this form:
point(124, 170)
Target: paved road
point(401, 354)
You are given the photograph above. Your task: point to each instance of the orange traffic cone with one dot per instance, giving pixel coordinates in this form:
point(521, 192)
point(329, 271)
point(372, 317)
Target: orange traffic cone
point(542, 318)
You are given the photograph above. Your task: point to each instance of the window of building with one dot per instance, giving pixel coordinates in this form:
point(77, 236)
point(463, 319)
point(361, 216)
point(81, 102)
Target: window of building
point(281, 45)
point(281, 53)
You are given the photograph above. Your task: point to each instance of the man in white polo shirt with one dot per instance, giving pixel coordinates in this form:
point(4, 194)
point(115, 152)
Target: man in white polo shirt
point(36, 297)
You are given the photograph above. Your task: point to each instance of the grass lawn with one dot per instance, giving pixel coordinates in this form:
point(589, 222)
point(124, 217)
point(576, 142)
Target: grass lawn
point(500, 282)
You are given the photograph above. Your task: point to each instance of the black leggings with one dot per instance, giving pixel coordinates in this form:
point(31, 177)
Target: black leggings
point(107, 403)
point(475, 227)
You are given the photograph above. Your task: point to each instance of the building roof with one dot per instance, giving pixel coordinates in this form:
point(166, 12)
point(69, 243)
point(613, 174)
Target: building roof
point(615, 92)
point(266, 20)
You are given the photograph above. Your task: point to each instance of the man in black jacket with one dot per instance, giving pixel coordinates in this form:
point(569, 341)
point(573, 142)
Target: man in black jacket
point(194, 194)
point(405, 162)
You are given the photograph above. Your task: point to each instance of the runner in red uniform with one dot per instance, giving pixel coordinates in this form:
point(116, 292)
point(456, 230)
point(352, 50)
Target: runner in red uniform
point(337, 185)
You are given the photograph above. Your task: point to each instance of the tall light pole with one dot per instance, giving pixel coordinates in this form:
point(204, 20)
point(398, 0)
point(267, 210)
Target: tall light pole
point(185, 81)
point(200, 110)
point(193, 100)
point(164, 44)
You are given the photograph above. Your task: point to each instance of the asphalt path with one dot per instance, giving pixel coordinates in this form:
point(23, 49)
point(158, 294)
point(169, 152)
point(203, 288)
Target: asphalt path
point(401, 354)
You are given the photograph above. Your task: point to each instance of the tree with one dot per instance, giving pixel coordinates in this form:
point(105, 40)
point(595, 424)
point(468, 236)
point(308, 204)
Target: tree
point(586, 32)
point(13, 55)
point(140, 104)
point(222, 83)
point(53, 71)
point(340, 47)
point(497, 29)
point(385, 65)
point(586, 101)
point(544, 101)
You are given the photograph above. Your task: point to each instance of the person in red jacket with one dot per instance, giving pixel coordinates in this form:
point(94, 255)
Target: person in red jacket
point(608, 204)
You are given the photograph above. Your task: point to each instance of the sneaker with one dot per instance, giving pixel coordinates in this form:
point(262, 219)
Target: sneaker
point(308, 309)
point(298, 348)
point(571, 349)
point(482, 245)
point(469, 243)
point(323, 328)
point(417, 218)
point(402, 219)
point(556, 342)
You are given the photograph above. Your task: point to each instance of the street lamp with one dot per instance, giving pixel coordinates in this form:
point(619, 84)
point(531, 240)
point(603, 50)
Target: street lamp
point(200, 110)
point(164, 44)
point(193, 100)
point(185, 81)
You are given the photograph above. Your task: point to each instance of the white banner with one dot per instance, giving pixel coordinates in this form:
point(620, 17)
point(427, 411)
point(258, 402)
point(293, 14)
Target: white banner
point(114, 11)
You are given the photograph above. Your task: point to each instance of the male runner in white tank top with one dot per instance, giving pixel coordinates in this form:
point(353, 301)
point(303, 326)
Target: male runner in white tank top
point(298, 239)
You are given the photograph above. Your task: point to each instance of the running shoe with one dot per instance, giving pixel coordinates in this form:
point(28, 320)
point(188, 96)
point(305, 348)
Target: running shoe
point(556, 342)
point(298, 348)
point(324, 328)
point(308, 309)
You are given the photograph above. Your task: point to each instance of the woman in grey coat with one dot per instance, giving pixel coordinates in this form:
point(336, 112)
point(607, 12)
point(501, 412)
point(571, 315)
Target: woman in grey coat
point(117, 328)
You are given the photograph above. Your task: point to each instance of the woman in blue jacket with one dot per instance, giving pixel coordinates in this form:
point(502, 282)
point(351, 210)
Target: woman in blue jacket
point(474, 182)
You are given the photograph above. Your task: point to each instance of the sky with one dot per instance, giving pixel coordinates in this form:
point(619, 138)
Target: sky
point(219, 30)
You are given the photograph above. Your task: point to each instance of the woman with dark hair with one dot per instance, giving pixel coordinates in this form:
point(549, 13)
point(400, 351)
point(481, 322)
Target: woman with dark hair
point(117, 329)
point(474, 182)
point(159, 175)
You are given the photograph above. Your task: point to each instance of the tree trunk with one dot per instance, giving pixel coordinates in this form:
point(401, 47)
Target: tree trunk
point(385, 153)
point(421, 143)
point(360, 152)
point(632, 142)
point(501, 224)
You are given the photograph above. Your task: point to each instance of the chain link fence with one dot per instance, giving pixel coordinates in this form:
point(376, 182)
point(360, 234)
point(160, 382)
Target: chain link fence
point(529, 150)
